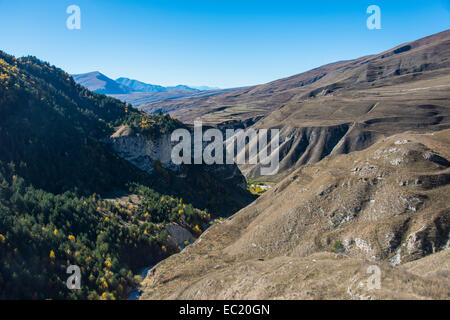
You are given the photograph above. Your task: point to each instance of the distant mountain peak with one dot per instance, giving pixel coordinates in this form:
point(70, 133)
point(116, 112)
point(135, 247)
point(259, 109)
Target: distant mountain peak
point(182, 87)
point(99, 83)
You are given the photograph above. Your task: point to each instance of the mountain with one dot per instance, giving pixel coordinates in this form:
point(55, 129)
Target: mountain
point(138, 99)
point(87, 180)
point(99, 83)
point(76, 188)
point(340, 107)
point(52, 120)
point(362, 186)
point(138, 86)
point(182, 87)
point(136, 92)
point(410, 66)
point(205, 88)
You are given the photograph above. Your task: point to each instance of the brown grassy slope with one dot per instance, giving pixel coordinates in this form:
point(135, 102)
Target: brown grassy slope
point(374, 97)
point(427, 58)
point(387, 205)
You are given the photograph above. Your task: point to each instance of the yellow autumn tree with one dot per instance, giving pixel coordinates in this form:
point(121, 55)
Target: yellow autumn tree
point(107, 296)
point(52, 254)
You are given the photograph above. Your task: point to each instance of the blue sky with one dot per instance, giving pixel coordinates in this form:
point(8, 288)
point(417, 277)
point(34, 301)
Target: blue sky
point(218, 43)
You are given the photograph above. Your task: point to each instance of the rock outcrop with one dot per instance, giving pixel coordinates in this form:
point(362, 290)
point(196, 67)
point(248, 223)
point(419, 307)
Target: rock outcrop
point(142, 152)
point(219, 188)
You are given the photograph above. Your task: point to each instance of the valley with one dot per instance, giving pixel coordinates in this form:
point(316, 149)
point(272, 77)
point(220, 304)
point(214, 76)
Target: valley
point(87, 178)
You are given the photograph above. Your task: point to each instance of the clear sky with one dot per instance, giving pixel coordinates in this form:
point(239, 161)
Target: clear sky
point(224, 43)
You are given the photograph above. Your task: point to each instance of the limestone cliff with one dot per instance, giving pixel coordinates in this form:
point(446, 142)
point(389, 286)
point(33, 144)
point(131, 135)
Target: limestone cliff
point(219, 188)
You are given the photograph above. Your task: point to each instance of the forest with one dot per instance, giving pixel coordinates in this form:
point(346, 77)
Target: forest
point(53, 171)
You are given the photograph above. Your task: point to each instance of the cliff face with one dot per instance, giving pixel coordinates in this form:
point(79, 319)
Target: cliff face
point(316, 233)
point(143, 152)
point(219, 188)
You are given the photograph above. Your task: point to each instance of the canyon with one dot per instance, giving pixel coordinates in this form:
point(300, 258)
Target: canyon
point(363, 184)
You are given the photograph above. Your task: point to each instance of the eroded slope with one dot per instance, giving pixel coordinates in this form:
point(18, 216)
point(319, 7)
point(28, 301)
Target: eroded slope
point(316, 233)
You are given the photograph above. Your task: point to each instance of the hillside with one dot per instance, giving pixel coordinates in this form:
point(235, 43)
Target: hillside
point(410, 66)
point(53, 131)
point(316, 233)
point(340, 107)
point(67, 196)
point(363, 182)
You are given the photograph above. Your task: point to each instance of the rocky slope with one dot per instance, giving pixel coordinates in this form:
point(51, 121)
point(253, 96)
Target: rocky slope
point(318, 231)
point(340, 107)
point(141, 151)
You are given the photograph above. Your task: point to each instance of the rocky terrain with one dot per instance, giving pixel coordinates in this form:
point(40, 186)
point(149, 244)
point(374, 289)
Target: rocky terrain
point(316, 233)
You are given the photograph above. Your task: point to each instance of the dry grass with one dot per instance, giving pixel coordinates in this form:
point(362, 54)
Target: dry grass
point(281, 246)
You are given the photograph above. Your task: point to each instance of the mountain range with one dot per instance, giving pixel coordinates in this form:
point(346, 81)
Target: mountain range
point(136, 92)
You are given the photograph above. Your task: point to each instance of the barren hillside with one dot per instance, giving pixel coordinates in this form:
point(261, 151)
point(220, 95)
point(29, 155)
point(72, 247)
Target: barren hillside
point(427, 58)
point(316, 233)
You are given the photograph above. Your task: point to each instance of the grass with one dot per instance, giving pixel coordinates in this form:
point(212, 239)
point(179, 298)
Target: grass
point(338, 247)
